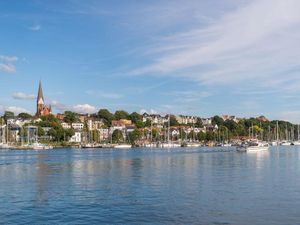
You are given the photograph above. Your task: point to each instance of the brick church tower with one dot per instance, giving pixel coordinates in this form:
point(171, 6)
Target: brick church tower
point(41, 108)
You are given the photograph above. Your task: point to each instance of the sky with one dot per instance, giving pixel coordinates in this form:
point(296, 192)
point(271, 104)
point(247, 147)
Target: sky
point(202, 57)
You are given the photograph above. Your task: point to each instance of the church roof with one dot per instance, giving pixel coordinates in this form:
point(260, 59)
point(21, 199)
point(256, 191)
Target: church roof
point(40, 93)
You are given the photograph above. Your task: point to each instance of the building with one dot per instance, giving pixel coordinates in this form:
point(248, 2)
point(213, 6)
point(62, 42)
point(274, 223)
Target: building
point(155, 118)
point(229, 117)
point(77, 126)
point(76, 137)
point(41, 108)
point(186, 119)
point(66, 125)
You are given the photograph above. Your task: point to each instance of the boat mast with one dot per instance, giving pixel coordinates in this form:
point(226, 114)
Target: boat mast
point(277, 132)
point(169, 130)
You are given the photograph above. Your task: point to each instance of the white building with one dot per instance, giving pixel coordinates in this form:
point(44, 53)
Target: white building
point(186, 119)
point(66, 125)
point(206, 121)
point(94, 124)
point(76, 137)
point(78, 126)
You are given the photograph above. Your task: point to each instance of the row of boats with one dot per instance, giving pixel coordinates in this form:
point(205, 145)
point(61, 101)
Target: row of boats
point(34, 146)
point(252, 145)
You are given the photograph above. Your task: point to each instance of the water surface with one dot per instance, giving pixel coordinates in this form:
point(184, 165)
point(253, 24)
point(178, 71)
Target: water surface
point(143, 186)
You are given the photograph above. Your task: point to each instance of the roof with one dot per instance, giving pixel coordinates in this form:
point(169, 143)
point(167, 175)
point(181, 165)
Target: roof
point(40, 92)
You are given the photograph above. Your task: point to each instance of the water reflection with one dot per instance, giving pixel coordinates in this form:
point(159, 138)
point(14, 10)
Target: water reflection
point(140, 186)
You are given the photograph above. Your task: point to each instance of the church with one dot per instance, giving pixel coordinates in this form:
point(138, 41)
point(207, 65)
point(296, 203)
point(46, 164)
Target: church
point(41, 108)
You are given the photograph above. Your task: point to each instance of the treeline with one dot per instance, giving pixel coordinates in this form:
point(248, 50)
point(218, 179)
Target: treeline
point(226, 130)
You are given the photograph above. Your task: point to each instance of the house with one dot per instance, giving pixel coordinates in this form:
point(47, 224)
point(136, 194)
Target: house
point(94, 124)
point(76, 137)
point(206, 121)
point(233, 118)
point(155, 118)
point(66, 125)
point(103, 133)
point(186, 119)
point(77, 126)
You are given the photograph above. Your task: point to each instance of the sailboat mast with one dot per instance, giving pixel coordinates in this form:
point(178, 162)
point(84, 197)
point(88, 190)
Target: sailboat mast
point(169, 129)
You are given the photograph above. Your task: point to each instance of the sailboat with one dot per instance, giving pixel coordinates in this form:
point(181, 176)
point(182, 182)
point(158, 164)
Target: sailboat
point(286, 142)
point(168, 143)
point(298, 140)
point(253, 145)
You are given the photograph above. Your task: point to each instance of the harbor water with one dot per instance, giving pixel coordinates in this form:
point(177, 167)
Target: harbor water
point(150, 186)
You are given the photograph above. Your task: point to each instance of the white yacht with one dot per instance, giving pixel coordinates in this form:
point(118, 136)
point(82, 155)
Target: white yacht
point(193, 144)
point(169, 145)
point(4, 146)
point(285, 143)
point(123, 146)
point(253, 146)
point(39, 146)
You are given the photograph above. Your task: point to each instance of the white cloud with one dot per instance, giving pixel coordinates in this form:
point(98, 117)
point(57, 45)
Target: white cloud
point(257, 42)
point(104, 94)
point(23, 96)
point(8, 58)
point(291, 116)
point(35, 27)
point(85, 108)
point(151, 111)
point(6, 63)
point(7, 68)
point(14, 109)
point(80, 108)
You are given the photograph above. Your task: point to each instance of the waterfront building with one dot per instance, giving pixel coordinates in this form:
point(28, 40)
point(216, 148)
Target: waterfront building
point(41, 108)
point(76, 137)
point(155, 118)
point(94, 124)
point(186, 119)
point(78, 126)
point(66, 125)
point(233, 118)
point(206, 121)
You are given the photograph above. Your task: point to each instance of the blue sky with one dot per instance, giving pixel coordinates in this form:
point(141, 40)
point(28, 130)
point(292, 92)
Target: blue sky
point(203, 58)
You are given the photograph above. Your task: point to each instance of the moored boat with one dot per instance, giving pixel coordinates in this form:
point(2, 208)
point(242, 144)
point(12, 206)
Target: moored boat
point(253, 146)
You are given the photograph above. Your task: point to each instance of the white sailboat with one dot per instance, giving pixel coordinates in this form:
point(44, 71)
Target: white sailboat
point(298, 140)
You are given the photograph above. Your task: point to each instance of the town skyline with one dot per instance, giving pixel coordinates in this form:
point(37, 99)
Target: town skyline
point(91, 55)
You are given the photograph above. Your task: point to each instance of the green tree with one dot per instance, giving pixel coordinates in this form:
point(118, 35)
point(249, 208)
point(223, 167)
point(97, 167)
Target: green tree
point(135, 136)
point(231, 125)
point(192, 135)
point(121, 114)
point(201, 136)
point(25, 116)
point(173, 121)
point(117, 136)
point(106, 115)
point(199, 123)
point(210, 136)
point(135, 117)
point(70, 117)
point(147, 123)
point(8, 115)
point(217, 120)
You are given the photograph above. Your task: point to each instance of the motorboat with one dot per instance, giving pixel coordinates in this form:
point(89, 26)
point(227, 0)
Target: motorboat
point(4, 146)
point(39, 146)
point(285, 143)
point(297, 143)
point(253, 146)
point(169, 145)
point(123, 146)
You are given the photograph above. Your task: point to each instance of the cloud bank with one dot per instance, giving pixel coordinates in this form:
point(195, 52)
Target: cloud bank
point(258, 42)
point(7, 63)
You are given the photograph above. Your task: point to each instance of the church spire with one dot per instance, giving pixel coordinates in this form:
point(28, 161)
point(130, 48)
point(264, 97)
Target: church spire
point(40, 98)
